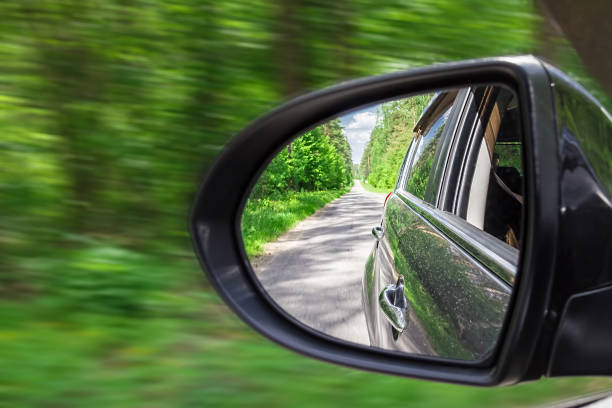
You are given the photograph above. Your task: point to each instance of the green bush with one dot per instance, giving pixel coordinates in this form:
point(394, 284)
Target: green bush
point(105, 279)
point(318, 160)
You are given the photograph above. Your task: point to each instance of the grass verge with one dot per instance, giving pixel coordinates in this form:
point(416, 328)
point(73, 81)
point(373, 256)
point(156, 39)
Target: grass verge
point(160, 337)
point(189, 350)
point(265, 219)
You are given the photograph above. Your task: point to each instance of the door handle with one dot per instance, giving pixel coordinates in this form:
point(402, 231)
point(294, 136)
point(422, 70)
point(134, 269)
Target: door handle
point(394, 305)
point(378, 232)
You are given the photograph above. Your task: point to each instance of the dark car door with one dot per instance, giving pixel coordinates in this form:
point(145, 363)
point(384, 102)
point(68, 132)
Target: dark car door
point(457, 275)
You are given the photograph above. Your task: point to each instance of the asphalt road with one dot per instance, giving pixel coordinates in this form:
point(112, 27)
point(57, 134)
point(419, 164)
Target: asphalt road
point(314, 271)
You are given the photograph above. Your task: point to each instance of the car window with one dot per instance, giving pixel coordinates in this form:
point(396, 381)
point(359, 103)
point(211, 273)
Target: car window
point(425, 148)
point(406, 163)
point(494, 185)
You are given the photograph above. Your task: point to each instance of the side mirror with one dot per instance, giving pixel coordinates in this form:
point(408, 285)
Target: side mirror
point(487, 264)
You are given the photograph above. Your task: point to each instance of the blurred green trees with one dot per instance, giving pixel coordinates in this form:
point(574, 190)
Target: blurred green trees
point(110, 113)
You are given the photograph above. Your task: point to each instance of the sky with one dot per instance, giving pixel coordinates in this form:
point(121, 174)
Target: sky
point(357, 127)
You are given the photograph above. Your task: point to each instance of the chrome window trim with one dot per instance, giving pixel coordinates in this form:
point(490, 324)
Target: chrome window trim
point(451, 136)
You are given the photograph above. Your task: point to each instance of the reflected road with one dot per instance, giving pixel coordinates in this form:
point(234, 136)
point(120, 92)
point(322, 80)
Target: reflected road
point(314, 271)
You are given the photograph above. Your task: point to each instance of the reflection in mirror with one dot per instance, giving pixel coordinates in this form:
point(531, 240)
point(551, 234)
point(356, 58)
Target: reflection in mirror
point(397, 225)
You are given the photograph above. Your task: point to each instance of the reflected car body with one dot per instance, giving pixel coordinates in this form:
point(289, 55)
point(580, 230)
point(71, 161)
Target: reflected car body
point(451, 229)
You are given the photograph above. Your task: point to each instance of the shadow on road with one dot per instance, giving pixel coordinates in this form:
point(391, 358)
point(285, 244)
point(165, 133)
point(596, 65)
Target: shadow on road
point(314, 271)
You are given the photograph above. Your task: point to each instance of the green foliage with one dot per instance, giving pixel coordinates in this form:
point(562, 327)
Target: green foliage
point(417, 183)
point(369, 187)
point(313, 170)
point(106, 280)
point(110, 112)
point(423, 163)
point(389, 140)
point(318, 160)
point(355, 171)
point(264, 219)
point(337, 138)
point(191, 351)
point(317, 165)
point(509, 155)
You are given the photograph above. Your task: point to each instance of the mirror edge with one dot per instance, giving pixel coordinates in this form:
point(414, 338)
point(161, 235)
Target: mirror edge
point(227, 266)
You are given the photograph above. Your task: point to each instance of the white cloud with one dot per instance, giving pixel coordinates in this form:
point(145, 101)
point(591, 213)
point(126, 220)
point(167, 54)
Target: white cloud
point(357, 128)
point(360, 127)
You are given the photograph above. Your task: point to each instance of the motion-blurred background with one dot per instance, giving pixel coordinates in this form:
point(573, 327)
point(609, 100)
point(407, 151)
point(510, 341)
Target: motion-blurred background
point(111, 111)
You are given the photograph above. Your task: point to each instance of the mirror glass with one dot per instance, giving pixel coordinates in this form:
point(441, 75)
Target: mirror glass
point(397, 225)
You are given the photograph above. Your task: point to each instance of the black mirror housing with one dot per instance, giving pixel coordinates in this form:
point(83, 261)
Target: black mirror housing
point(552, 296)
